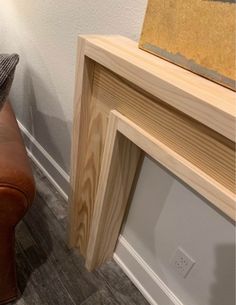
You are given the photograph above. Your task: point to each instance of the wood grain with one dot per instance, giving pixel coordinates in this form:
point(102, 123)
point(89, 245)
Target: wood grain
point(205, 185)
point(192, 116)
point(82, 118)
point(124, 142)
point(120, 162)
point(206, 149)
point(201, 99)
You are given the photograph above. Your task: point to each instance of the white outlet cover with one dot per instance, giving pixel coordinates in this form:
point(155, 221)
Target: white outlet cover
point(182, 263)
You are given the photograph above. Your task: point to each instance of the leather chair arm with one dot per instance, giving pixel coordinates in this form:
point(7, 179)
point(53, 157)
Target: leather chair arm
point(15, 170)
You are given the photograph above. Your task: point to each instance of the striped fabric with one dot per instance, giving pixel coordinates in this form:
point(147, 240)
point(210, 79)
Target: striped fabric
point(7, 68)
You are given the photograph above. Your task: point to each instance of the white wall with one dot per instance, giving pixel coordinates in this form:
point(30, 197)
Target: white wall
point(166, 214)
point(44, 33)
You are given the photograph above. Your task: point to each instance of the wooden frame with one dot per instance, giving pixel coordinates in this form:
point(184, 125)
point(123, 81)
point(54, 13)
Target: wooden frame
point(128, 102)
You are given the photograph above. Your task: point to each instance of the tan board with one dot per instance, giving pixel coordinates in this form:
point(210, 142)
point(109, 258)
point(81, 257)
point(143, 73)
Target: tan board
point(199, 35)
point(127, 103)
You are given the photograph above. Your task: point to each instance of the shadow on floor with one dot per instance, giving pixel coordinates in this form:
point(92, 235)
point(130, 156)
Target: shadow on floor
point(31, 250)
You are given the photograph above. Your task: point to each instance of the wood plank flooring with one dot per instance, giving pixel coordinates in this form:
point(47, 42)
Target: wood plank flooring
point(49, 273)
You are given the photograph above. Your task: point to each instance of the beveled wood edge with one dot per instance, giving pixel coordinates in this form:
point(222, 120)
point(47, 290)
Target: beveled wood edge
point(209, 188)
point(105, 208)
point(82, 94)
point(93, 49)
point(208, 102)
point(120, 163)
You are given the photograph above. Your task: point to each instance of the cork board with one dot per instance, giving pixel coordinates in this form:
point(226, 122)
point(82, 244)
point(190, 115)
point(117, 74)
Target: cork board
point(199, 35)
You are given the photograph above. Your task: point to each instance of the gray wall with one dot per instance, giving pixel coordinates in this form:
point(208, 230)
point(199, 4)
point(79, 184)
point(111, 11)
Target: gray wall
point(166, 214)
point(44, 33)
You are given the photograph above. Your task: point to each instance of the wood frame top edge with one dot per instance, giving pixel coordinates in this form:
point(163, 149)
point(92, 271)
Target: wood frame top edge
point(202, 99)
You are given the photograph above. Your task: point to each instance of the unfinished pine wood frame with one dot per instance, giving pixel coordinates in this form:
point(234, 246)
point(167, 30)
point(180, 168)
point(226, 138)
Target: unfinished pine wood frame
point(127, 103)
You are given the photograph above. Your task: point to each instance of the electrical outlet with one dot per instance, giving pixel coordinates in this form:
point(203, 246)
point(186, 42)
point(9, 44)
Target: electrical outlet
point(182, 262)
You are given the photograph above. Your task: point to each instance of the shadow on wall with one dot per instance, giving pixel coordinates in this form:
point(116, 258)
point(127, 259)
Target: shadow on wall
point(51, 131)
point(223, 290)
point(158, 186)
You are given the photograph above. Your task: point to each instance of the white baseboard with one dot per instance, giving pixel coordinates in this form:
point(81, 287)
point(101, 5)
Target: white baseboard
point(149, 284)
point(51, 169)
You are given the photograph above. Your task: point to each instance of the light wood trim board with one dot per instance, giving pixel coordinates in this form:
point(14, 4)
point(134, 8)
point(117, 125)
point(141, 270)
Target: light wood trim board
point(207, 102)
point(124, 143)
point(206, 149)
point(193, 118)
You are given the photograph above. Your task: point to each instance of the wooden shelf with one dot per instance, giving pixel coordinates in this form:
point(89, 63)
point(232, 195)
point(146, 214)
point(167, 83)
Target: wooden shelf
point(206, 101)
point(127, 103)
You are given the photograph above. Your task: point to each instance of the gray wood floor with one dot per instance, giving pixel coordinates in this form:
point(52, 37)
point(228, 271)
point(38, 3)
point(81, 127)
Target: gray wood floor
point(49, 273)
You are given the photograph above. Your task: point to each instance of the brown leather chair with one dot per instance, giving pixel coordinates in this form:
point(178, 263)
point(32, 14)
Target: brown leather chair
point(17, 191)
